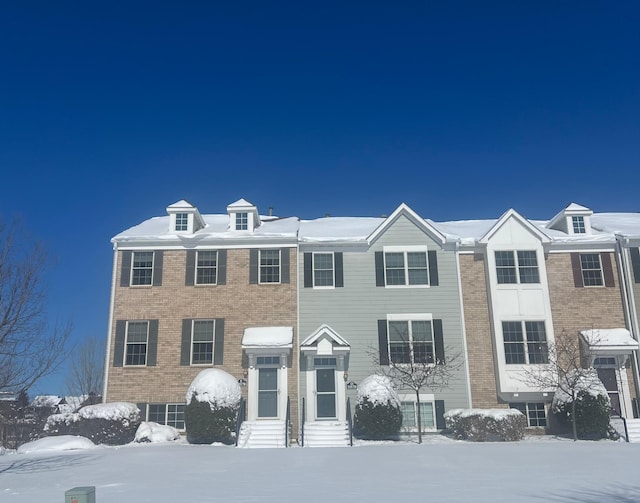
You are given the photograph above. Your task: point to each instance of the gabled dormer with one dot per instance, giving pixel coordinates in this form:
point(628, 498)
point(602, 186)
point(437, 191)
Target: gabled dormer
point(574, 220)
point(184, 218)
point(243, 216)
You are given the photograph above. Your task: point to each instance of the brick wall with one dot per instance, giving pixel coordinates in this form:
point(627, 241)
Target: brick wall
point(240, 304)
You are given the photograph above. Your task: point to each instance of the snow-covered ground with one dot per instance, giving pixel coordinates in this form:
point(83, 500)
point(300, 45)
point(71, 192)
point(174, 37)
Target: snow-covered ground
point(440, 470)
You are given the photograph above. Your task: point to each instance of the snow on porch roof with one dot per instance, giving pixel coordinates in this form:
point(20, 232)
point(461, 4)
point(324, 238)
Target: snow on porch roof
point(610, 339)
point(268, 337)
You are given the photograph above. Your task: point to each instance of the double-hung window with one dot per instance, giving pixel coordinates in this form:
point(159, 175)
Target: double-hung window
point(534, 412)
point(411, 341)
point(405, 268)
point(578, 225)
point(170, 414)
point(591, 269)
point(202, 334)
point(242, 221)
point(409, 408)
point(525, 342)
point(137, 340)
point(142, 268)
point(517, 267)
point(323, 270)
point(269, 266)
point(206, 267)
point(182, 221)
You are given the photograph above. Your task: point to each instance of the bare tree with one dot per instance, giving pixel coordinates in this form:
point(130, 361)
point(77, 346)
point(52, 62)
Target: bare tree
point(566, 371)
point(419, 369)
point(29, 348)
point(86, 368)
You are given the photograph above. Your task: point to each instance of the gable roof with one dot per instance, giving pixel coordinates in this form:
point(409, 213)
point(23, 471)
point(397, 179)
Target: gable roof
point(513, 214)
point(183, 203)
point(325, 330)
point(421, 223)
point(572, 209)
point(241, 203)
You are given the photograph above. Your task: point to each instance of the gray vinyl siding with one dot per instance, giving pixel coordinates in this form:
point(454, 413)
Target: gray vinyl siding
point(354, 310)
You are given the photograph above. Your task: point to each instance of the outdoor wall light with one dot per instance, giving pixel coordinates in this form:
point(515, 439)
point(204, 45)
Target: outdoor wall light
point(242, 382)
point(351, 385)
point(346, 376)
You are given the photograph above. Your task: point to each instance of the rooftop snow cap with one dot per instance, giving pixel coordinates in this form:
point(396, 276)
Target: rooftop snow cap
point(268, 337)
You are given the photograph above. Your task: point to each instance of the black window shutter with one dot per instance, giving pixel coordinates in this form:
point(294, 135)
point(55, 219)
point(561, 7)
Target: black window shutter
point(157, 268)
point(125, 272)
point(607, 270)
point(143, 411)
point(190, 271)
point(284, 265)
point(379, 268)
point(308, 270)
point(253, 267)
point(577, 270)
point(152, 343)
point(433, 268)
point(440, 422)
point(635, 263)
point(337, 258)
point(218, 344)
point(383, 343)
point(185, 344)
point(118, 350)
point(438, 341)
point(221, 264)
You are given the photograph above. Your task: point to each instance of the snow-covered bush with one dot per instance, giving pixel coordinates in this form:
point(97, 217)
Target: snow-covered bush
point(377, 412)
point(105, 423)
point(213, 400)
point(481, 425)
point(592, 404)
point(59, 443)
point(148, 431)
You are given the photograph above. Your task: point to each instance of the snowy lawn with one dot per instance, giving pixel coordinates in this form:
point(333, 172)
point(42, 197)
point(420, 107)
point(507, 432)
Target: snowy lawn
point(440, 470)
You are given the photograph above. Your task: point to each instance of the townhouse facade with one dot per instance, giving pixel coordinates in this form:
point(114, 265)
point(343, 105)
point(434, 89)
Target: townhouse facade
point(301, 311)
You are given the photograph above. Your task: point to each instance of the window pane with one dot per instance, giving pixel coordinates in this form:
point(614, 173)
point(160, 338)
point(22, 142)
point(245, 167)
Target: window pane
point(505, 267)
point(394, 264)
point(142, 270)
point(269, 266)
point(323, 269)
point(408, 415)
point(537, 415)
point(422, 342)
point(175, 415)
point(578, 225)
point(426, 415)
point(537, 342)
point(181, 221)
point(418, 260)
point(242, 221)
point(513, 342)
point(157, 413)
point(203, 331)
point(528, 267)
point(591, 270)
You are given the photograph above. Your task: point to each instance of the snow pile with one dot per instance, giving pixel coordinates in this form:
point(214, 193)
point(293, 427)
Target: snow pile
point(149, 431)
point(215, 386)
point(378, 390)
point(578, 380)
point(61, 443)
point(497, 414)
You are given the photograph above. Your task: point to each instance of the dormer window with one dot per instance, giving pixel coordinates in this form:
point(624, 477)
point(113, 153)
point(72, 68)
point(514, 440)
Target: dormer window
point(242, 221)
point(182, 221)
point(578, 225)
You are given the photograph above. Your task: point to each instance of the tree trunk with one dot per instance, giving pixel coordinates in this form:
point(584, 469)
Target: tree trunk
point(419, 416)
point(574, 419)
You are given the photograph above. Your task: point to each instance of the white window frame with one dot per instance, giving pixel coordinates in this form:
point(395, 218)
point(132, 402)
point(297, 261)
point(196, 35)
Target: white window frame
point(405, 250)
point(527, 413)
point(133, 268)
point(409, 318)
point(260, 266)
point(517, 267)
point(599, 269)
point(242, 221)
point(333, 271)
point(127, 343)
point(424, 399)
point(525, 342)
point(166, 421)
point(195, 279)
point(181, 222)
point(578, 224)
point(213, 342)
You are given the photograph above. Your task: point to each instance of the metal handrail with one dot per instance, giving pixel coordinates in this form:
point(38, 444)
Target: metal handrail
point(624, 422)
point(350, 422)
point(240, 418)
point(287, 423)
point(304, 416)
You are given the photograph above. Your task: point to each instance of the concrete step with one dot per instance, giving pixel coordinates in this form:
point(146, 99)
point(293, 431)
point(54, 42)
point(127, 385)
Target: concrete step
point(326, 434)
point(262, 434)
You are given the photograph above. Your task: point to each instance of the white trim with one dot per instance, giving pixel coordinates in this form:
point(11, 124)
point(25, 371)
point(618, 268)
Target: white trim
point(333, 270)
point(404, 209)
point(405, 250)
point(464, 331)
point(195, 271)
point(126, 342)
point(410, 317)
point(511, 213)
point(409, 248)
point(213, 343)
point(114, 276)
point(279, 282)
point(153, 264)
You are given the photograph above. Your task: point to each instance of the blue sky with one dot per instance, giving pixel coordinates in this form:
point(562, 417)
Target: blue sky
point(111, 111)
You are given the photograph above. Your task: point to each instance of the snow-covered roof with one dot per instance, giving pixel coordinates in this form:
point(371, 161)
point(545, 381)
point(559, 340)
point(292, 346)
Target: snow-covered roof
point(183, 203)
point(268, 337)
point(609, 339)
point(328, 229)
point(626, 224)
point(241, 203)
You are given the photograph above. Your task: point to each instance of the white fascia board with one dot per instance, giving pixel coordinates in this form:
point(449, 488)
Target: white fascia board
point(511, 213)
point(599, 247)
point(325, 329)
point(420, 222)
point(188, 244)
